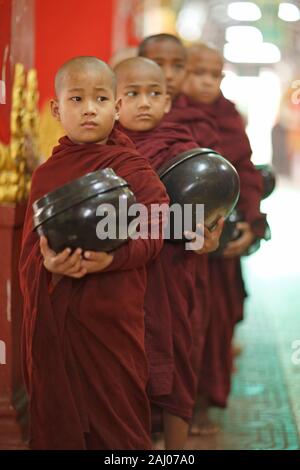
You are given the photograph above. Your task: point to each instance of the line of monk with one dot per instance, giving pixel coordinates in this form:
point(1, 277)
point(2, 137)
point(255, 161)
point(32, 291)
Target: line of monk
point(117, 346)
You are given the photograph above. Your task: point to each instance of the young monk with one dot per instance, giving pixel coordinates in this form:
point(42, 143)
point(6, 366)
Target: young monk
point(205, 73)
point(83, 332)
point(172, 323)
point(169, 53)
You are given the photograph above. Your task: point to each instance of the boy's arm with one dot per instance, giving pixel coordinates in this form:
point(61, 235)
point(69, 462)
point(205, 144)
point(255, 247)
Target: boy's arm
point(149, 191)
point(134, 254)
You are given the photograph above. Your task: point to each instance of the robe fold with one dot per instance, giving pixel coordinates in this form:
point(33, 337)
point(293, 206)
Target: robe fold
point(84, 358)
point(173, 320)
point(203, 127)
point(227, 292)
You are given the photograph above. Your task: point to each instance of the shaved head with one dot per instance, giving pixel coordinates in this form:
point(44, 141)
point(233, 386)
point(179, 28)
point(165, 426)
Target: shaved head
point(170, 54)
point(85, 101)
point(205, 73)
point(156, 38)
point(139, 66)
point(142, 90)
point(201, 49)
point(79, 65)
point(121, 55)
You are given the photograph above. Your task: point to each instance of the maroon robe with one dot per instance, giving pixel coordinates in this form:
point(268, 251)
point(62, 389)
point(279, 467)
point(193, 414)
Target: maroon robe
point(205, 132)
point(202, 126)
point(172, 319)
point(83, 344)
point(204, 129)
point(227, 291)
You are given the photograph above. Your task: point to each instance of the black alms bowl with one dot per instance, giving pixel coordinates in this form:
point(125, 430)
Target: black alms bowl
point(230, 231)
point(269, 179)
point(202, 176)
point(68, 216)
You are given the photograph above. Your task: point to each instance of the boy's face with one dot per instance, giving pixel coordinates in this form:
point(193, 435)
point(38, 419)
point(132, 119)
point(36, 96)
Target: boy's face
point(144, 100)
point(86, 105)
point(170, 56)
point(204, 76)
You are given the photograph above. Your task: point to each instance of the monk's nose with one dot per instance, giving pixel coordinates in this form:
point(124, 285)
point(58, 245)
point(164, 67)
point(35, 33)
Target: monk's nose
point(208, 80)
point(168, 73)
point(89, 108)
point(144, 101)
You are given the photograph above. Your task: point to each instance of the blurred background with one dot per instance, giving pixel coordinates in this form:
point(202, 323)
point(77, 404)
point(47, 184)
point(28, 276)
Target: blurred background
point(261, 44)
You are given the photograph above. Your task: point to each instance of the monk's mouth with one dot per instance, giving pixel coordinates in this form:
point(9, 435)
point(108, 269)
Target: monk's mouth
point(89, 125)
point(206, 94)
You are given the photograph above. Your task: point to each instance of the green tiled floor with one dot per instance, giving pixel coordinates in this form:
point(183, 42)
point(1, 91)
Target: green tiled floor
point(264, 410)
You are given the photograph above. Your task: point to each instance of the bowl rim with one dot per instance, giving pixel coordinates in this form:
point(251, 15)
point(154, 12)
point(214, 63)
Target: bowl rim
point(182, 157)
point(72, 200)
point(107, 171)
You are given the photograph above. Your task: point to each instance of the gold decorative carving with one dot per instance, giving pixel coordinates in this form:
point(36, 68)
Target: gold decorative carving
point(50, 131)
point(20, 158)
point(31, 122)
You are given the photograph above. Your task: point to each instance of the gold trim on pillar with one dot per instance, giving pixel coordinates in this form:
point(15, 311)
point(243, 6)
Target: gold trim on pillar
point(18, 159)
point(50, 131)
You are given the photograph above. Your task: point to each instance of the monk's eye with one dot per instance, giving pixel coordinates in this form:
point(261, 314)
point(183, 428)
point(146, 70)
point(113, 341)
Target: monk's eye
point(102, 98)
point(155, 93)
point(131, 94)
point(199, 72)
point(178, 66)
point(75, 98)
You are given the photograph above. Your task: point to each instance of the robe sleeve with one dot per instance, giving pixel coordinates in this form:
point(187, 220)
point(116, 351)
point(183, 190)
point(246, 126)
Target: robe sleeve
point(34, 280)
point(151, 192)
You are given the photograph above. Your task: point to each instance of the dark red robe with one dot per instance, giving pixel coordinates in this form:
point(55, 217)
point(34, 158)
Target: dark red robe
point(227, 291)
point(172, 319)
point(83, 344)
point(202, 126)
point(205, 132)
point(204, 129)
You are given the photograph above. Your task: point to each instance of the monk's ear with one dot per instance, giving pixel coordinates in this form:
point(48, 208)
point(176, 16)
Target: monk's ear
point(168, 103)
point(118, 107)
point(55, 109)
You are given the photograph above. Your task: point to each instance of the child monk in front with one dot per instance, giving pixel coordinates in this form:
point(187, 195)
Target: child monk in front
point(83, 333)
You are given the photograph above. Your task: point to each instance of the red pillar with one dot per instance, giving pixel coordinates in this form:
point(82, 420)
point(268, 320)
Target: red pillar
point(12, 392)
point(41, 34)
point(17, 42)
point(5, 77)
